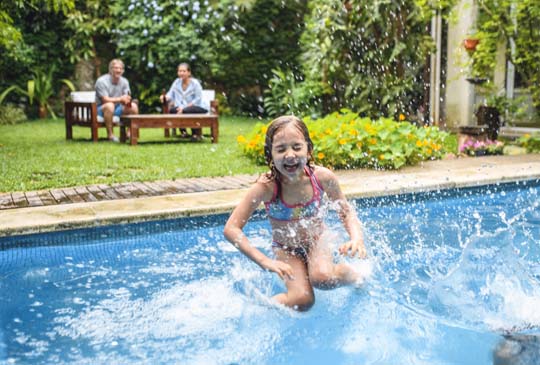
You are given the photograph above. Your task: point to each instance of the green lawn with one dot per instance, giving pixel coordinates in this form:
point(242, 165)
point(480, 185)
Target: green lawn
point(35, 155)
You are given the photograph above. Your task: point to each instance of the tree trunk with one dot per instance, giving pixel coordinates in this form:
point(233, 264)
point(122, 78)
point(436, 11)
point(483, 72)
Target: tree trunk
point(84, 75)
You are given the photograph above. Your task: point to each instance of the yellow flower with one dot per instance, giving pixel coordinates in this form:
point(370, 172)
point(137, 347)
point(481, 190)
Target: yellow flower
point(241, 139)
point(320, 155)
point(373, 141)
point(418, 143)
point(353, 132)
point(264, 129)
point(342, 141)
point(359, 145)
point(401, 117)
point(429, 151)
point(328, 131)
point(381, 157)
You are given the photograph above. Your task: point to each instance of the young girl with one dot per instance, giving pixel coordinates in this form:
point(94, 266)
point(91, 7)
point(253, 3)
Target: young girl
point(292, 192)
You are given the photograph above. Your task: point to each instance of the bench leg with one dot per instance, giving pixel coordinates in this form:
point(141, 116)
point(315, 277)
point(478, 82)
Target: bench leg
point(167, 133)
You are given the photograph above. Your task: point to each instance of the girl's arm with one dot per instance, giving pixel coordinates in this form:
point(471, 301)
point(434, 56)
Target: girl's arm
point(346, 213)
point(238, 219)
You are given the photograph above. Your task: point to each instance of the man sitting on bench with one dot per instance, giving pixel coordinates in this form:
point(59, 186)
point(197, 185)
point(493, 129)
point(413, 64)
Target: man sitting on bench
point(185, 95)
point(113, 96)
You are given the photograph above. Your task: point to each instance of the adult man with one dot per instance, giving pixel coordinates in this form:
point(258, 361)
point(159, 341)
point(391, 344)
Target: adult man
point(113, 96)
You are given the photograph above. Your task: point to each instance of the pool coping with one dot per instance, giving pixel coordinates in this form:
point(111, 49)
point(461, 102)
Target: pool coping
point(428, 176)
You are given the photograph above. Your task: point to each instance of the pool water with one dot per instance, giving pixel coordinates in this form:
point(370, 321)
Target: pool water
point(453, 273)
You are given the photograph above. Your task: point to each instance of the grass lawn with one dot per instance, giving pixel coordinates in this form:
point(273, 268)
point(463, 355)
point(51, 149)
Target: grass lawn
point(35, 155)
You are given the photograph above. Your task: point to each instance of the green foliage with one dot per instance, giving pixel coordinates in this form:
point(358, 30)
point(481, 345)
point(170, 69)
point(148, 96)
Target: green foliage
point(361, 60)
point(230, 48)
point(11, 114)
point(285, 95)
point(89, 22)
point(530, 142)
point(507, 22)
point(345, 140)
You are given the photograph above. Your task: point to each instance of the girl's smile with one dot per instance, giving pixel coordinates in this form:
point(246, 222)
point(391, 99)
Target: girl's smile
point(290, 152)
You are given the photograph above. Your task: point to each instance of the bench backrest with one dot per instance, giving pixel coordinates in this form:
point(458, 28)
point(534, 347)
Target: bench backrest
point(90, 97)
point(83, 96)
point(207, 97)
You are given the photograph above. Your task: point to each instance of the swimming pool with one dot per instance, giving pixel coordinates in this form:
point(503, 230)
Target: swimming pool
point(453, 271)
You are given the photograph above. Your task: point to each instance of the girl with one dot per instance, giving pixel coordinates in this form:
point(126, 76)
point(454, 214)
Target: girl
point(292, 192)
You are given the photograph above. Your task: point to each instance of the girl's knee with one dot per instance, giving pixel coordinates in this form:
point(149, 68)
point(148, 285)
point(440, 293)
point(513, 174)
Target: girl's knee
point(323, 279)
point(303, 302)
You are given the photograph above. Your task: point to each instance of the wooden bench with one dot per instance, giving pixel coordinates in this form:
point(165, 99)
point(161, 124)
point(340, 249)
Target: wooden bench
point(137, 121)
point(82, 111)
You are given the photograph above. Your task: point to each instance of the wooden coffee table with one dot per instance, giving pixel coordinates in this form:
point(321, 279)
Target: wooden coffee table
point(134, 122)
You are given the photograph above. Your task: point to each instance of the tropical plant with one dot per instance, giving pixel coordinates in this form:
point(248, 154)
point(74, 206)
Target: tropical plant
point(345, 140)
point(40, 89)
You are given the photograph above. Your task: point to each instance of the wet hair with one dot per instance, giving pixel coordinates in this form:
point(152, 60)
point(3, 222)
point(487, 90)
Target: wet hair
point(113, 61)
point(275, 126)
point(185, 64)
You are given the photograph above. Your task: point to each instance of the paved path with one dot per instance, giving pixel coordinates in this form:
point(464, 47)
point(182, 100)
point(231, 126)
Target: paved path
point(123, 203)
point(101, 192)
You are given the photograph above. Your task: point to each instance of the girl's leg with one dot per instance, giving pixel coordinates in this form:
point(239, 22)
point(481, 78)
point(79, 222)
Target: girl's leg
point(299, 293)
point(324, 273)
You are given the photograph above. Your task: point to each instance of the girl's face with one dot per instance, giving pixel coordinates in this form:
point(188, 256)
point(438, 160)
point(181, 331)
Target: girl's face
point(183, 72)
point(290, 151)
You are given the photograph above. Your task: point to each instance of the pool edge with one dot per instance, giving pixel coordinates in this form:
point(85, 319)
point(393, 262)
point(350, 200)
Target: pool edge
point(430, 176)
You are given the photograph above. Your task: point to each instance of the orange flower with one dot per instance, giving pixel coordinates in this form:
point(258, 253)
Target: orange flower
point(418, 143)
point(241, 139)
point(401, 117)
point(342, 141)
point(320, 155)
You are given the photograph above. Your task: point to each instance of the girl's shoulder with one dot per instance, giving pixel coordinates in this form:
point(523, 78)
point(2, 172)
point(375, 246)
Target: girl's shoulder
point(323, 174)
point(266, 185)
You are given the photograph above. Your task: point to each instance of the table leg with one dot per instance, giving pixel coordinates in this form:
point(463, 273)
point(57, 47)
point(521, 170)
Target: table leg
point(134, 133)
point(123, 136)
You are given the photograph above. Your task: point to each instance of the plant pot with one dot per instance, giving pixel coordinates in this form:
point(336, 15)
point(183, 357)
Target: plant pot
point(490, 116)
point(470, 44)
point(42, 112)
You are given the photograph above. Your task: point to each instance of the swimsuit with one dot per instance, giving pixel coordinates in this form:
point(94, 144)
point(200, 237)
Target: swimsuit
point(277, 209)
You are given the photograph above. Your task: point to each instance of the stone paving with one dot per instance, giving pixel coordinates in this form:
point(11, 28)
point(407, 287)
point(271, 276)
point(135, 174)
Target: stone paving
point(58, 209)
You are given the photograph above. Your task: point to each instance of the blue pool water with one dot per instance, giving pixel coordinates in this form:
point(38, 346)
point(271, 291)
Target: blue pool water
point(453, 272)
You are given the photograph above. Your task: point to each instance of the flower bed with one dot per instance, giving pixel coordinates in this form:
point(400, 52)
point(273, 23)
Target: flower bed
point(473, 147)
point(345, 140)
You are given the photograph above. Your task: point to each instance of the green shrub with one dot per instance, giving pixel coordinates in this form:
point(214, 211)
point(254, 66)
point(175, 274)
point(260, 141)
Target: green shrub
point(530, 142)
point(11, 114)
point(344, 140)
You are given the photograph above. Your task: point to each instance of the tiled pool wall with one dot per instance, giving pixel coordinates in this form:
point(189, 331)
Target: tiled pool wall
point(116, 231)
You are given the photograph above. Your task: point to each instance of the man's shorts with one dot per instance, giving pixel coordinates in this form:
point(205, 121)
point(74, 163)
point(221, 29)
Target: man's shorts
point(118, 110)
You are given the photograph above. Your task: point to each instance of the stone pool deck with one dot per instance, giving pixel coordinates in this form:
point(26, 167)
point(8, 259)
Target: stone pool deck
point(57, 209)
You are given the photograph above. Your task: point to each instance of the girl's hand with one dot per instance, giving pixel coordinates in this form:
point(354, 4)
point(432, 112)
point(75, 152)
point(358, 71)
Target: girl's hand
point(283, 270)
point(353, 248)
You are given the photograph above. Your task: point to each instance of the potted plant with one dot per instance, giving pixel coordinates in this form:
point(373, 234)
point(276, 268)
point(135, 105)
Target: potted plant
point(471, 41)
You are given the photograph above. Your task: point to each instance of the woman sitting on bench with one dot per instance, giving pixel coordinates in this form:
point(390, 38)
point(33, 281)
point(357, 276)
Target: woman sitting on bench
point(185, 96)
